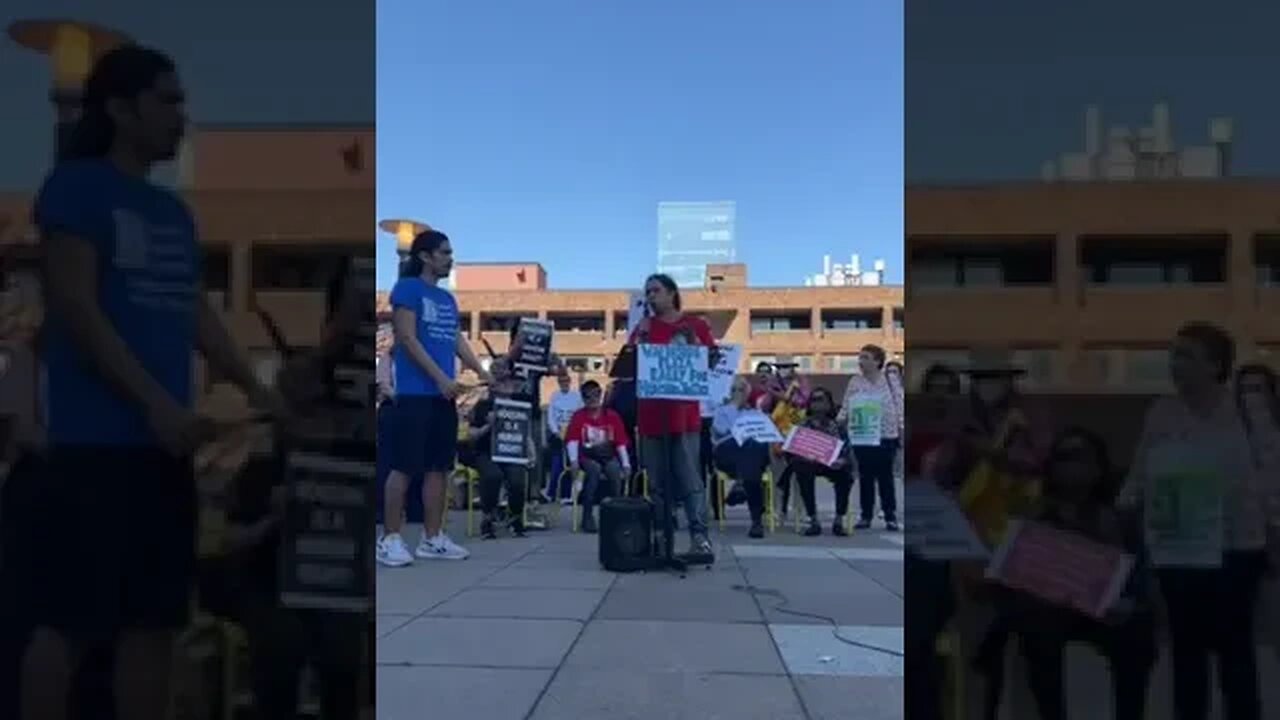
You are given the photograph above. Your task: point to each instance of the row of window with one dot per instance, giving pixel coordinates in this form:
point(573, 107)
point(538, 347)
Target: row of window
point(1139, 369)
point(281, 267)
point(1103, 260)
point(761, 322)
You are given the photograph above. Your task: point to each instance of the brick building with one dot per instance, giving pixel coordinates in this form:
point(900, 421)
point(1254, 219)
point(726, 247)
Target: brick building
point(276, 207)
point(1087, 282)
point(820, 329)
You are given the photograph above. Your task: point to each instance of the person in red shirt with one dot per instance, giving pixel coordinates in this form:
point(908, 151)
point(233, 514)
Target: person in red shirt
point(670, 430)
point(764, 389)
point(596, 441)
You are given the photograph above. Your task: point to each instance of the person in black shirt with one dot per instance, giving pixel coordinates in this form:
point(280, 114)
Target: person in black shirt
point(495, 476)
point(242, 584)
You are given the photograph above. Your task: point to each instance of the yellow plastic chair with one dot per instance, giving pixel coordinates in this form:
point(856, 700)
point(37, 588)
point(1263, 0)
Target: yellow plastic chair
point(235, 644)
point(770, 509)
point(472, 478)
point(642, 477)
point(951, 650)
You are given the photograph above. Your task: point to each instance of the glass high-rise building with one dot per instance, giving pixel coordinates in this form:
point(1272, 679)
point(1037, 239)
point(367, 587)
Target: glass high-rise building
point(692, 235)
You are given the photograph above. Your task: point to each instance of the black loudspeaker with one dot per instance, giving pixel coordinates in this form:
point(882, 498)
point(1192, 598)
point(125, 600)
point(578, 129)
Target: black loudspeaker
point(626, 534)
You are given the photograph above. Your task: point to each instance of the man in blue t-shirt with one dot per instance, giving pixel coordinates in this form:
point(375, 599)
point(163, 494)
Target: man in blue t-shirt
point(125, 312)
point(424, 437)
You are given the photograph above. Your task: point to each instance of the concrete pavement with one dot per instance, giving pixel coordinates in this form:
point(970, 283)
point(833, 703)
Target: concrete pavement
point(533, 629)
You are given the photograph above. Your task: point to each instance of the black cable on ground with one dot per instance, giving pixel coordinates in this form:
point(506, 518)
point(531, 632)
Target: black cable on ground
point(835, 626)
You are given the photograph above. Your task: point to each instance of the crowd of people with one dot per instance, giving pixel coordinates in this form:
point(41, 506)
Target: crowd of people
point(114, 472)
point(434, 426)
point(999, 460)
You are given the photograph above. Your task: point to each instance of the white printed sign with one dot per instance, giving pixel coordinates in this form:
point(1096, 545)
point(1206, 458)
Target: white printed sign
point(938, 529)
point(720, 381)
point(637, 311)
point(755, 425)
point(672, 372)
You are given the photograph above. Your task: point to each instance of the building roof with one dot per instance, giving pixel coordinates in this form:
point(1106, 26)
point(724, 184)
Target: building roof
point(228, 216)
point(1166, 206)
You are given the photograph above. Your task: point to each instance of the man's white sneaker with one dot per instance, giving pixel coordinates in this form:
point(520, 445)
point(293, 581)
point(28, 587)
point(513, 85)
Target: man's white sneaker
point(392, 552)
point(441, 547)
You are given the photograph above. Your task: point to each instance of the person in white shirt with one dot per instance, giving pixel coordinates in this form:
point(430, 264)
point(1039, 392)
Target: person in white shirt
point(564, 402)
point(1194, 479)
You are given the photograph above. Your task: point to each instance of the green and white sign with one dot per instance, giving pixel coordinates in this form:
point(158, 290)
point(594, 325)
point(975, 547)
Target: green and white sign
point(1183, 510)
point(865, 413)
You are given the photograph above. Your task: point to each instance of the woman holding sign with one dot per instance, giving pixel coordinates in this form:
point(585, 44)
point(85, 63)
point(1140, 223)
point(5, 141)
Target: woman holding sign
point(1194, 478)
point(873, 414)
point(821, 420)
point(746, 461)
point(670, 429)
point(1077, 501)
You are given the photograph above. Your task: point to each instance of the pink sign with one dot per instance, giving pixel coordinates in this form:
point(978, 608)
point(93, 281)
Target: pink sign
point(812, 445)
point(1061, 568)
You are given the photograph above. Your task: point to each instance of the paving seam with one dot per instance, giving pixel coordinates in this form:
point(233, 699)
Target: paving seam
point(544, 668)
point(423, 614)
point(882, 586)
point(791, 679)
point(582, 629)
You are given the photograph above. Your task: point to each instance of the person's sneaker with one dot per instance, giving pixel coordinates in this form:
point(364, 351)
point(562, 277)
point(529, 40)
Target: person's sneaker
point(392, 552)
point(757, 530)
point(546, 498)
point(589, 523)
point(814, 529)
point(441, 547)
point(863, 524)
point(487, 530)
point(701, 545)
point(566, 502)
point(837, 528)
point(892, 525)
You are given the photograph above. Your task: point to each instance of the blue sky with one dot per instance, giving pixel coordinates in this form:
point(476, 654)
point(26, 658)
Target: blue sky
point(549, 131)
point(995, 89)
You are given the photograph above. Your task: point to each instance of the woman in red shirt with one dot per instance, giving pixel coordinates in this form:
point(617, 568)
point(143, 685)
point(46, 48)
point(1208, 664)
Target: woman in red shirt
point(597, 443)
point(670, 430)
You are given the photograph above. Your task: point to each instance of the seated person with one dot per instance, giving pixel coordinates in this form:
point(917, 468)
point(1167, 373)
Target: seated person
point(241, 585)
point(821, 417)
point(1078, 495)
point(746, 462)
point(597, 445)
point(495, 475)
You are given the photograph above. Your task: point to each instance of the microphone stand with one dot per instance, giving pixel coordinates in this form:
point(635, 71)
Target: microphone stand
point(624, 369)
point(669, 561)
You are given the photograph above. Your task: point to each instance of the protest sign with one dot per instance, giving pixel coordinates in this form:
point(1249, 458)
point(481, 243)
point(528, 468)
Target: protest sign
point(534, 339)
point(637, 310)
point(938, 529)
point(672, 372)
point(720, 379)
point(1184, 508)
point(812, 445)
point(326, 553)
point(513, 426)
point(1061, 568)
point(865, 413)
point(755, 425)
